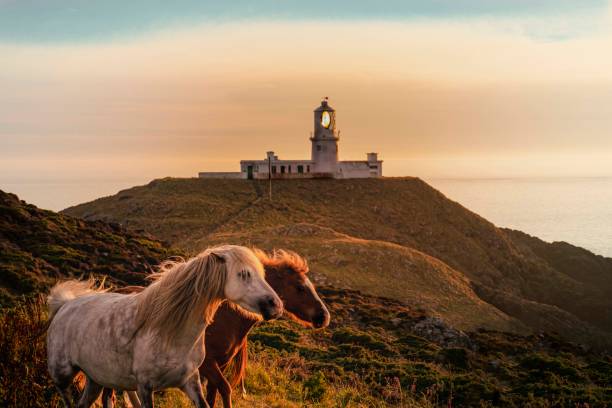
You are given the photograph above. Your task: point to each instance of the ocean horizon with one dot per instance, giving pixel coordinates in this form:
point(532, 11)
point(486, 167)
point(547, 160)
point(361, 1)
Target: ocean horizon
point(576, 210)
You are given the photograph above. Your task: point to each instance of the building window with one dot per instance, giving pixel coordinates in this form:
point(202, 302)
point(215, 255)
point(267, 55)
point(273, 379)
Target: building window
point(273, 169)
point(289, 168)
point(318, 148)
point(300, 169)
point(282, 169)
point(307, 169)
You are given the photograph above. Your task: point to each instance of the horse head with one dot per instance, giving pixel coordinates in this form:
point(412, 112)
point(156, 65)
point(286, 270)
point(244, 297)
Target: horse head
point(287, 273)
point(184, 290)
point(245, 283)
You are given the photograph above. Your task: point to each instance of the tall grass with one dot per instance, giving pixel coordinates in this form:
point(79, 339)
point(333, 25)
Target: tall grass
point(24, 380)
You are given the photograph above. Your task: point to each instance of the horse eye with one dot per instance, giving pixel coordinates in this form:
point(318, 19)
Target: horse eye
point(301, 288)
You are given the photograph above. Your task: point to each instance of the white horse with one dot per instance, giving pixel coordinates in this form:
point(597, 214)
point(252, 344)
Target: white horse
point(154, 339)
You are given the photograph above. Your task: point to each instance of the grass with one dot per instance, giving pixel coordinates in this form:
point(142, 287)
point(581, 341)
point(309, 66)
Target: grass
point(23, 364)
point(368, 357)
point(38, 247)
point(384, 269)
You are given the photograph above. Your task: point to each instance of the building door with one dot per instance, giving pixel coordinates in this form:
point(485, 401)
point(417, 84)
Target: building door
point(300, 169)
point(250, 172)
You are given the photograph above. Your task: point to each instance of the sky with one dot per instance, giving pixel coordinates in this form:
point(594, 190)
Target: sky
point(121, 91)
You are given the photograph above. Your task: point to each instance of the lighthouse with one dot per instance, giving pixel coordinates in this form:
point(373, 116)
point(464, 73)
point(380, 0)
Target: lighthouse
point(323, 161)
point(325, 140)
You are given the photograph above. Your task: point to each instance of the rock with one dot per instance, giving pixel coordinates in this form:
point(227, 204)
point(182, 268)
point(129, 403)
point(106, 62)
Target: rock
point(436, 330)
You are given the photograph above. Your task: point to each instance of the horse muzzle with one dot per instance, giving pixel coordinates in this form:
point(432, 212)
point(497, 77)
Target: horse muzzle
point(321, 320)
point(270, 308)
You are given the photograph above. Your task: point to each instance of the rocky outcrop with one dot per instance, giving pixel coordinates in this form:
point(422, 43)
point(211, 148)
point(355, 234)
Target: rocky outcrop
point(437, 331)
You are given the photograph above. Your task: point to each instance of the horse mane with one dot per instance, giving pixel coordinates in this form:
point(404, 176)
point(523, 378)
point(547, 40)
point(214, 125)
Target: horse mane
point(185, 291)
point(282, 258)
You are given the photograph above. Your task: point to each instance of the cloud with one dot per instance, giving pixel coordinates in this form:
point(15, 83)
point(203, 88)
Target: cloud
point(179, 101)
point(78, 20)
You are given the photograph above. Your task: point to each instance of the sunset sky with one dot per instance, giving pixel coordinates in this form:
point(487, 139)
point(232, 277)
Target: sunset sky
point(446, 88)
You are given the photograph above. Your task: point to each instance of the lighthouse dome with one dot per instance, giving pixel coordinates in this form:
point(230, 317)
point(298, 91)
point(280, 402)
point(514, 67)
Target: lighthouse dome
point(324, 106)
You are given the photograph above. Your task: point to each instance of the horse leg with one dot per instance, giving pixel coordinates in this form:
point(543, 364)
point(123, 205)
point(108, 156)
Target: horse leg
point(211, 394)
point(133, 397)
point(108, 398)
point(62, 378)
point(244, 392)
point(145, 395)
point(218, 380)
point(90, 394)
point(193, 389)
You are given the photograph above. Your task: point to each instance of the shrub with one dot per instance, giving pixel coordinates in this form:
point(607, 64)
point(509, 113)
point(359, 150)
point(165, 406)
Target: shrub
point(315, 387)
point(23, 362)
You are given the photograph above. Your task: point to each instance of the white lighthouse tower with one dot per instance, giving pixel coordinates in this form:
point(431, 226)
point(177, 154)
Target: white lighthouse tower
point(325, 140)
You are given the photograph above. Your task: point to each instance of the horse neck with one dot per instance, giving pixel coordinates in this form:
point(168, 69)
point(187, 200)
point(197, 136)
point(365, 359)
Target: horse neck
point(241, 322)
point(194, 331)
point(194, 327)
point(246, 324)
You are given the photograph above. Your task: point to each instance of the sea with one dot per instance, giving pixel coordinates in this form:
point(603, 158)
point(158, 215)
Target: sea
point(575, 210)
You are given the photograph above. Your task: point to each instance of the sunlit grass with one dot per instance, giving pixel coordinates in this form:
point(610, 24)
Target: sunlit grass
point(362, 360)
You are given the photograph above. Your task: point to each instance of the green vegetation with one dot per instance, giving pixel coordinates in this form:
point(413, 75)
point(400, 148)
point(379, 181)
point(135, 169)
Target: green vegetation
point(356, 362)
point(38, 247)
point(23, 364)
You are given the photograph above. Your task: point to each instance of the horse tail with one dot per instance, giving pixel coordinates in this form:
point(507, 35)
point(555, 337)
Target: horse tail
point(238, 366)
point(66, 291)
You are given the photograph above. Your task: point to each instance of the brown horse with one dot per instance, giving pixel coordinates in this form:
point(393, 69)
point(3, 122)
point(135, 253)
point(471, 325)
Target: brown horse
point(226, 342)
point(226, 337)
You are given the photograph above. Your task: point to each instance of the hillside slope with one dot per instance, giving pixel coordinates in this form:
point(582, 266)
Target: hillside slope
point(381, 268)
point(376, 352)
point(37, 247)
point(405, 212)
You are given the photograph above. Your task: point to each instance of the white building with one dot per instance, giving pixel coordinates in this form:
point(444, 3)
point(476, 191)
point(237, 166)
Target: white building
point(323, 161)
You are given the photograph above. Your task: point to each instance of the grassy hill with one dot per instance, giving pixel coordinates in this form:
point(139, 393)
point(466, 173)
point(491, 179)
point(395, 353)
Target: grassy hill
point(395, 237)
point(37, 247)
point(377, 352)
